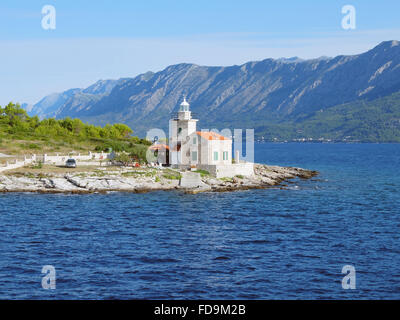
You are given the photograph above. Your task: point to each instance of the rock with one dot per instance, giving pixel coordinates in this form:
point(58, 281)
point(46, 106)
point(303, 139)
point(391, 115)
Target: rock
point(191, 182)
point(268, 181)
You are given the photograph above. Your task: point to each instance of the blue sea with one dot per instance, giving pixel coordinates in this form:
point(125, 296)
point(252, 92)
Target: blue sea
point(279, 243)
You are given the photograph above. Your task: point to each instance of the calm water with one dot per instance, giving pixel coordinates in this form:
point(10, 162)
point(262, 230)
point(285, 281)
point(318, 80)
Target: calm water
point(264, 244)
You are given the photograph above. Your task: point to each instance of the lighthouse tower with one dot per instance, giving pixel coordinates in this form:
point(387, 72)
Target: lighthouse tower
point(180, 129)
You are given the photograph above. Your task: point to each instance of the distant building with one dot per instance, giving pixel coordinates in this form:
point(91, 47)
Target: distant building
point(210, 151)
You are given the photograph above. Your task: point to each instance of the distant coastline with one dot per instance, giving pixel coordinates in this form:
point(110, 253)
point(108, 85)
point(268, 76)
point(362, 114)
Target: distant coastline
point(327, 142)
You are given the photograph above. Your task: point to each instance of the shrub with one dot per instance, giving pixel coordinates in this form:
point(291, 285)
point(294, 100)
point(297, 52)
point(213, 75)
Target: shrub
point(70, 134)
point(203, 173)
point(38, 165)
point(32, 146)
point(124, 158)
point(171, 175)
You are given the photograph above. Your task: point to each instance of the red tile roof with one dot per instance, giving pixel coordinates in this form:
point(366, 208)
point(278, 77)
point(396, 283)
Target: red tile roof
point(211, 135)
point(159, 146)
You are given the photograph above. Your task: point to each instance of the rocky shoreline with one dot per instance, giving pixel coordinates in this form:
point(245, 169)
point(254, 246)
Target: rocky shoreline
point(144, 180)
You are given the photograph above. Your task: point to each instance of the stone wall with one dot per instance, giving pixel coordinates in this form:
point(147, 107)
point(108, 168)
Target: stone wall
point(229, 171)
point(190, 180)
point(15, 164)
point(61, 159)
point(51, 159)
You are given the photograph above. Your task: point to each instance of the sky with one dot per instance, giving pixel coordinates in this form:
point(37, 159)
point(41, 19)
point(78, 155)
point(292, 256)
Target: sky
point(111, 39)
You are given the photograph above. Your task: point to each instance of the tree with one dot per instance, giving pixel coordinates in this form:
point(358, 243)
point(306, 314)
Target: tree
point(123, 130)
point(124, 158)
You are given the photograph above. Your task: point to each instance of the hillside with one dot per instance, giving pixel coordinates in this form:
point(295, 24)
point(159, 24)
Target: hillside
point(21, 134)
point(273, 93)
point(360, 121)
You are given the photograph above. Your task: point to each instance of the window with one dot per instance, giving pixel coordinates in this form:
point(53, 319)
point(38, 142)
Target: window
point(225, 155)
point(179, 130)
point(215, 155)
point(194, 156)
point(194, 140)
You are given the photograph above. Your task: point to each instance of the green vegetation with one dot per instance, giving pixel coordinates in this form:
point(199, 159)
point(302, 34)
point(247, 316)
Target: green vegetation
point(22, 134)
point(375, 120)
point(136, 173)
point(203, 173)
point(98, 173)
point(38, 165)
point(52, 170)
point(124, 158)
point(365, 121)
point(171, 174)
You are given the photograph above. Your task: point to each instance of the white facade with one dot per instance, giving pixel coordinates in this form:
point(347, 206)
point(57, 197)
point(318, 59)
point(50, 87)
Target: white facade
point(180, 129)
point(213, 149)
point(201, 149)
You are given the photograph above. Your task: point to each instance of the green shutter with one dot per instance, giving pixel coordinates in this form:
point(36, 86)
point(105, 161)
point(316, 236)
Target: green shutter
point(215, 155)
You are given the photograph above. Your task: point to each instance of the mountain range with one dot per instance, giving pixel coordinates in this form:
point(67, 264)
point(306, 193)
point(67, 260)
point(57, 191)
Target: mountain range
point(280, 98)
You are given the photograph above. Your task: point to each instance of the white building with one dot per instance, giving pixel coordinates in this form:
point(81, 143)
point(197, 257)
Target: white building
point(180, 131)
point(210, 151)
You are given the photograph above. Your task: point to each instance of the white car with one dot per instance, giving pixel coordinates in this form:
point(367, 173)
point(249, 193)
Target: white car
point(71, 163)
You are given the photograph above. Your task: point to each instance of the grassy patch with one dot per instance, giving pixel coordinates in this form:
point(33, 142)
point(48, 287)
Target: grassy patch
point(137, 174)
point(30, 146)
point(38, 165)
point(58, 170)
point(98, 173)
point(171, 175)
point(44, 175)
point(203, 173)
point(82, 175)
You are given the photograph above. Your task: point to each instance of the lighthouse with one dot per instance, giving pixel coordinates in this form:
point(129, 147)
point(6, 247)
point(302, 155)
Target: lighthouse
point(181, 128)
point(204, 150)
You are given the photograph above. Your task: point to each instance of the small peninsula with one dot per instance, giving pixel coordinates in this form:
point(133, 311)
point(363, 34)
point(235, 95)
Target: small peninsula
point(34, 155)
point(51, 179)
